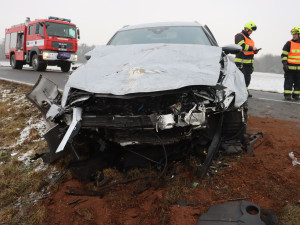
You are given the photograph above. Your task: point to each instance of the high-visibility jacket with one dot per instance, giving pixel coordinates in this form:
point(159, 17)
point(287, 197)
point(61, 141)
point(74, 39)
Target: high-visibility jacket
point(291, 55)
point(247, 44)
point(294, 54)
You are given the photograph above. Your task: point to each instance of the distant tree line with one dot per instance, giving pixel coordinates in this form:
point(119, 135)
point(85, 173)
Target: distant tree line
point(2, 57)
point(267, 63)
point(82, 50)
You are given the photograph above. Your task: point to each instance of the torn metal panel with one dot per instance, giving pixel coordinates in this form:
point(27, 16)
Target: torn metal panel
point(72, 130)
point(234, 82)
point(44, 94)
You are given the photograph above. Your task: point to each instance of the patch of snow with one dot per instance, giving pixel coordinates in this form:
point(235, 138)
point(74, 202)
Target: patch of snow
point(41, 165)
point(267, 82)
point(25, 158)
point(39, 126)
point(13, 153)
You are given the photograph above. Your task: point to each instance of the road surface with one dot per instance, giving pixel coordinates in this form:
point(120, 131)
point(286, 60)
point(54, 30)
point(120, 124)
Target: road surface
point(262, 104)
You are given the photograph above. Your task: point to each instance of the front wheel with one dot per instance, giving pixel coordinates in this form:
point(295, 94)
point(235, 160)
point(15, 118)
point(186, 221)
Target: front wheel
point(37, 64)
point(65, 67)
point(15, 64)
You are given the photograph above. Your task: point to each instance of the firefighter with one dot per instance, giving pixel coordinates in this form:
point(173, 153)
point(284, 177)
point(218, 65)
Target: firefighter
point(290, 58)
point(244, 59)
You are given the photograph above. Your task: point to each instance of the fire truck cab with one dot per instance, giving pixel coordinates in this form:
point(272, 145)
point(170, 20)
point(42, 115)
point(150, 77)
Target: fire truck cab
point(42, 42)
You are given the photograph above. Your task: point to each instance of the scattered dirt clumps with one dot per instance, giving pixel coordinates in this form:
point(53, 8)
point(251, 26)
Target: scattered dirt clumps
point(266, 177)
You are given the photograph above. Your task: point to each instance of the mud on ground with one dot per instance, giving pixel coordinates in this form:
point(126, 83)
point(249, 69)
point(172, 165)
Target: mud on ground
point(265, 176)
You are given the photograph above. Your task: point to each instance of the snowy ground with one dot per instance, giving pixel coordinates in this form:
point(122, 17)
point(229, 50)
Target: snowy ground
point(267, 82)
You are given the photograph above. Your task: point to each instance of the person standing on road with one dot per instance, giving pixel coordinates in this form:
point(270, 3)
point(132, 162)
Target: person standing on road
point(244, 59)
point(290, 58)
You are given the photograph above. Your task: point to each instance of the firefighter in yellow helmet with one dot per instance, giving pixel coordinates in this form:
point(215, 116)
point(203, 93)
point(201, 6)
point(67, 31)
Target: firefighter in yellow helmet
point(244, 59)
point(290, 58)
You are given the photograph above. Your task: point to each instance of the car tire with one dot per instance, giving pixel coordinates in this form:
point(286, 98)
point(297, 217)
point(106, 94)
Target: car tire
point(65, 67)
point(15, 64)
point(37, 64)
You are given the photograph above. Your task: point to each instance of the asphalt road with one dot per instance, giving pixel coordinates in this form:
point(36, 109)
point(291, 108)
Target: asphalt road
point(262, 104)
point(29, 76)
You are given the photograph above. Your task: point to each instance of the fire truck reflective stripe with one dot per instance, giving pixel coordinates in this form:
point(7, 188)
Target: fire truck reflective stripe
point(35, 43)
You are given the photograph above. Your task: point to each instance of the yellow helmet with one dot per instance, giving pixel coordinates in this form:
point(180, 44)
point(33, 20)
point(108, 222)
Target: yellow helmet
point(295, 30)
point(251, 26)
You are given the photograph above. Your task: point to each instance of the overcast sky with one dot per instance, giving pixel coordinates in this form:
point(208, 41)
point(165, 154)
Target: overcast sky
point(99, 19)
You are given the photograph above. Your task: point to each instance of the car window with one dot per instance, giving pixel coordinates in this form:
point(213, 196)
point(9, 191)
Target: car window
point(172, 35)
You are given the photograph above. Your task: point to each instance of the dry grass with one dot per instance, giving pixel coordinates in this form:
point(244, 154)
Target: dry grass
point(290, 215)
point(20, 180)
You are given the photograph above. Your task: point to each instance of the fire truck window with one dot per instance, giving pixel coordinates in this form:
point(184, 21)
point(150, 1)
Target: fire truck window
point(36, 29)
point(60, 30)
point(39, 29)
point(20, 41)
point(30, 32)
point(13, 40)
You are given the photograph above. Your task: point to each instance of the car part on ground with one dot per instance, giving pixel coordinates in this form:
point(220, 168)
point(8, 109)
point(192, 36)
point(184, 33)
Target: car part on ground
point(237, 213)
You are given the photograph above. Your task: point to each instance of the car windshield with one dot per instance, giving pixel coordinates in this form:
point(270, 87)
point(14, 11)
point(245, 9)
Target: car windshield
point(60, 30)
point(166, 34)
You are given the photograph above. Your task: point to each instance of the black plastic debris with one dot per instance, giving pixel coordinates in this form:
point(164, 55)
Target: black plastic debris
point(234, 213)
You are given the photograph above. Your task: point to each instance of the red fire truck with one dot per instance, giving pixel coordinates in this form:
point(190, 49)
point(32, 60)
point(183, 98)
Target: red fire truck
point(42, 42)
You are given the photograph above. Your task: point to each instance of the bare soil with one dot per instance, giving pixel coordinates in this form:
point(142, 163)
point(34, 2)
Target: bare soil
point(265, 176)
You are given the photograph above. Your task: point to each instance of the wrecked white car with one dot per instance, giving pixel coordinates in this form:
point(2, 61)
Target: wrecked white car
point(164, 84)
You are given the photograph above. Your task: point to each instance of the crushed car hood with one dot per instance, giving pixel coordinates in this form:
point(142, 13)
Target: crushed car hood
point(128, 69)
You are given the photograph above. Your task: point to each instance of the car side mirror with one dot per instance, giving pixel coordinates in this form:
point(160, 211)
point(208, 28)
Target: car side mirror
point(232, 49)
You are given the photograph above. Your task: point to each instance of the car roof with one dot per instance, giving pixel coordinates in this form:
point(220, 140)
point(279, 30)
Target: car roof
point(161, 24)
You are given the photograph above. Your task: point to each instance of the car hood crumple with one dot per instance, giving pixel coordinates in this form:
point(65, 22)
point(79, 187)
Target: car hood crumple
point(128, 69)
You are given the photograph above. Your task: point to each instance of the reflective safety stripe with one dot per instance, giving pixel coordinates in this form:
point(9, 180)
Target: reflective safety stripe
point(296, 92)
point(241, 42)
point(283, 58)
point(294, 67)
point(294, 57)
point(294, 60)
point(285, 52)
point(246, 48)
point(295, 51)
point(287, 91)
point(243, 60)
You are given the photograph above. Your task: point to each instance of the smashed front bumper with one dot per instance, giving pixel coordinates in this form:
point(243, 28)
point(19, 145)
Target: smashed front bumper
point(174, 125)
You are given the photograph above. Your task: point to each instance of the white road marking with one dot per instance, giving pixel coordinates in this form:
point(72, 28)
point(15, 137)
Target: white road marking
point(274, 100)
point(16, 81)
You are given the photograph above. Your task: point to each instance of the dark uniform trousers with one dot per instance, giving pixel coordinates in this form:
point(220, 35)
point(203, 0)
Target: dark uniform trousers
point(247, 70)
point(292, 77)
